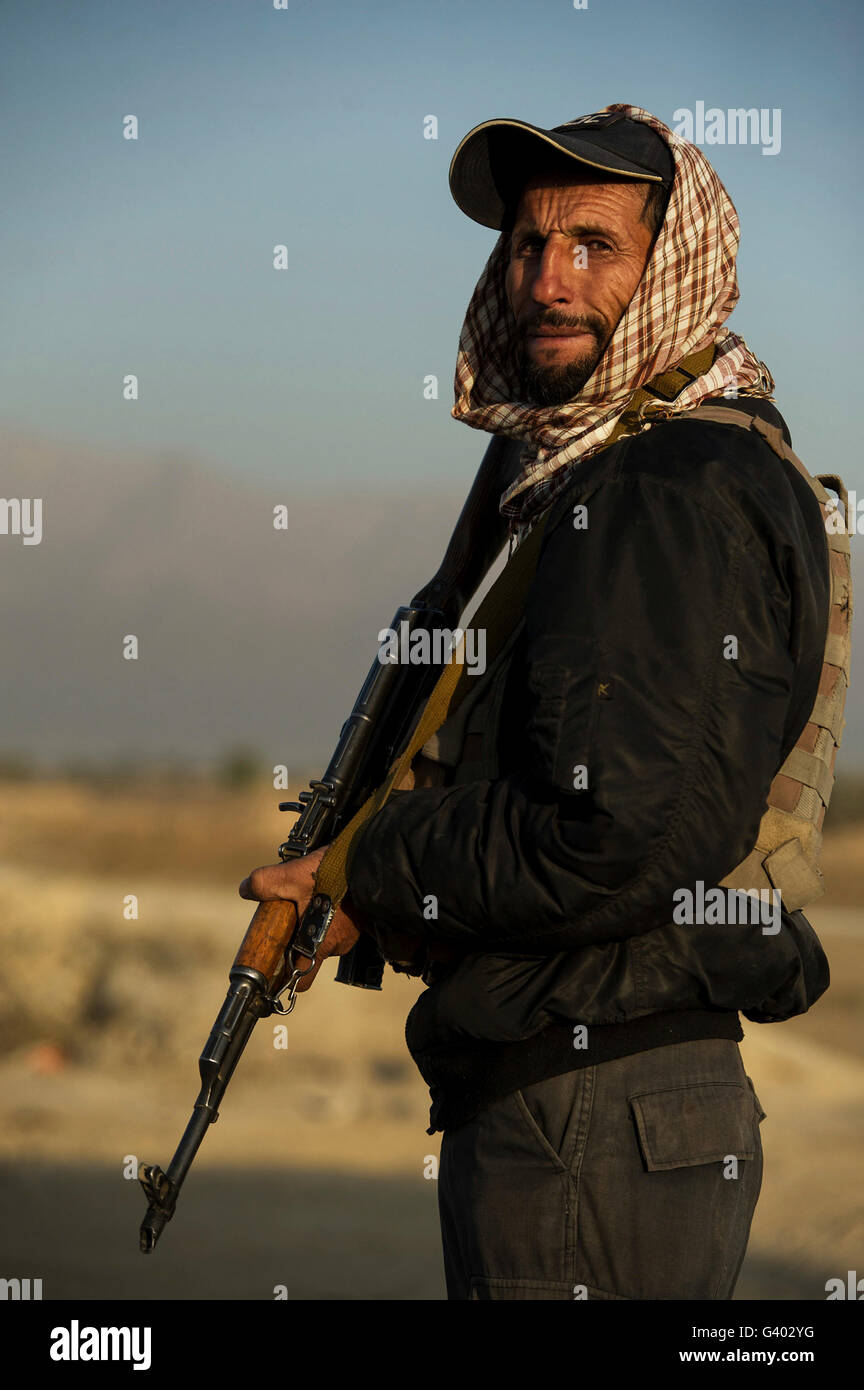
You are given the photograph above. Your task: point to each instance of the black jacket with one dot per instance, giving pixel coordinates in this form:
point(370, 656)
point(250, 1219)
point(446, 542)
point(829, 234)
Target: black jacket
point(697, 533)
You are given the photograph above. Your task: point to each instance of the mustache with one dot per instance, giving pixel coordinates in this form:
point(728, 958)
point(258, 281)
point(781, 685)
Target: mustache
point(586, 323)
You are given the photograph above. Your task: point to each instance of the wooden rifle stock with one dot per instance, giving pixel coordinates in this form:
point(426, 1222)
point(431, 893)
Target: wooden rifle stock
point(267, 938)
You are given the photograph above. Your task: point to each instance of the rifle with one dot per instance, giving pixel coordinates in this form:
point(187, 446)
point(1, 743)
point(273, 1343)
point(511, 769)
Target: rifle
point(277, 949)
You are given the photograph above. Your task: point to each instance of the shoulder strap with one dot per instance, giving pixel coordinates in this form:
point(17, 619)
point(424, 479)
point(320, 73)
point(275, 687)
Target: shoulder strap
point(481, 531)
point(664, 388)
point(773, 437)
point(834, 516)
point(478, 536)
point(787, 850)
point(496, 614)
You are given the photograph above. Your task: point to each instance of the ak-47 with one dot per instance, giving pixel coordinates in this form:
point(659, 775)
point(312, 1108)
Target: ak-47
point(277, 949)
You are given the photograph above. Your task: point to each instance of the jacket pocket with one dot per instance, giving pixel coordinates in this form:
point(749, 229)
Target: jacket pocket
point(548, 686)
point(689, 1125)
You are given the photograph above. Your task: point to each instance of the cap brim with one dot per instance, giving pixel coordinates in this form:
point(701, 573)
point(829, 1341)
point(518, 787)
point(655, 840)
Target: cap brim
point(471, 179)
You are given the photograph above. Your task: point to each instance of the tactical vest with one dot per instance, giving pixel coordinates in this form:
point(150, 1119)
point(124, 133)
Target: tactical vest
point(788, 844)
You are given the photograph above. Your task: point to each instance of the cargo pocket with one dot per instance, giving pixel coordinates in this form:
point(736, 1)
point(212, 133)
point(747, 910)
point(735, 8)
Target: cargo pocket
point(695, 1124)
point(487, 1290)
point(700, 1155)
point(760, 1113)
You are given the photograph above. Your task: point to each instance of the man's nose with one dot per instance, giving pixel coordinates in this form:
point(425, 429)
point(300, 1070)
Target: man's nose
point(555, 278)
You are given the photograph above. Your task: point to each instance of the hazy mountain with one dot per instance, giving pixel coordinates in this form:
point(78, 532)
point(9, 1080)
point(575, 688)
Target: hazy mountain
point(247, 635)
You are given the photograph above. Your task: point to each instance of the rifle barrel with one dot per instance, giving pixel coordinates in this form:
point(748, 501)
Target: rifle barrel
point(222, 1051)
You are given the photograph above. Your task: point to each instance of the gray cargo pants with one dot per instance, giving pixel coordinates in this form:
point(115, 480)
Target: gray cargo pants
point(636, 1178)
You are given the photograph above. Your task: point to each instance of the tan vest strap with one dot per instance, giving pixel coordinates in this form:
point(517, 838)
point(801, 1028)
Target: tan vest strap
point(828, 708)
point(798, 880)
point(810, 771)
point(841, 578)
point(786, 854)
point(837, 653)
point(836, 483)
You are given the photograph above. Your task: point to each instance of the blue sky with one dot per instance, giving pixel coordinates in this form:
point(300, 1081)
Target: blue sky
point(305, 127)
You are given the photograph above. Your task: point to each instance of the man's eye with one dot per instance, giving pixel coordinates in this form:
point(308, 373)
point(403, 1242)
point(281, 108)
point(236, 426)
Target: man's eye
point(529, 246)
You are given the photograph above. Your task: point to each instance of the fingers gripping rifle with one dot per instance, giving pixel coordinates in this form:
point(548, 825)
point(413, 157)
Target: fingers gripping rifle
point(277, 950)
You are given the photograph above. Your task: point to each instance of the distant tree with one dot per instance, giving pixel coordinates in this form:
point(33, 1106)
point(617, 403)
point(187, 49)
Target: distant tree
point(239, 768)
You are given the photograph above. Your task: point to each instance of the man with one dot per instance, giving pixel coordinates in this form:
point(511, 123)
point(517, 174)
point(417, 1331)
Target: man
point(601, 1139)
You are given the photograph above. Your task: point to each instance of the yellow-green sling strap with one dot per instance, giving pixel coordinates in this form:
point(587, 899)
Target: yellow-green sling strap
point(665, 387)
point(497, 615)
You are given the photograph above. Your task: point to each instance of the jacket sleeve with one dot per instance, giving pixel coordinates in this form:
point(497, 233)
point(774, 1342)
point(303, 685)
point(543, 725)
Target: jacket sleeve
point(649, 711)
point(668, 969)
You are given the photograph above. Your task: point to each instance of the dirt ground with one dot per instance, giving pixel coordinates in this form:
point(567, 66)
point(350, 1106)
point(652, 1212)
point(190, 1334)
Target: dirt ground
point(315, 1181)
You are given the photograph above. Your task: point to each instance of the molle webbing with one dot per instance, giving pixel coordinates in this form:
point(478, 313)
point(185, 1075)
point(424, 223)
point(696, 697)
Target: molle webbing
point(660, 392)
point(788, 844)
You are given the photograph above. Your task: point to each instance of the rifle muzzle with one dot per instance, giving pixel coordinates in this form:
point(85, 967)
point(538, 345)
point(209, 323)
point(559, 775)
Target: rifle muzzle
point(162, 1197)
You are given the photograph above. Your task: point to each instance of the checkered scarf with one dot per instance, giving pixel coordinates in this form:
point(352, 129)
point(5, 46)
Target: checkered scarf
point(687, 291)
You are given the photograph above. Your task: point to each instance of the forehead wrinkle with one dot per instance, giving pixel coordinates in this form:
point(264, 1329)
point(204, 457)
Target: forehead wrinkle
point(542, 202)
point(576, 229)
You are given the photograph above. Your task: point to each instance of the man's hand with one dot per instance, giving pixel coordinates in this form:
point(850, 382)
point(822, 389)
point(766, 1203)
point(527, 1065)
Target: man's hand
point(294, 881)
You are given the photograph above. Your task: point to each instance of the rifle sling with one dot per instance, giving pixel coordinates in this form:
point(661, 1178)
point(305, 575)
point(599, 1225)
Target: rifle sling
point(471, 549)
point(496, 616)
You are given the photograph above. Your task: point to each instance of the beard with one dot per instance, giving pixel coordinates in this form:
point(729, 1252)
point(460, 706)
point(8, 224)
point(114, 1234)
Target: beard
point(558, 384)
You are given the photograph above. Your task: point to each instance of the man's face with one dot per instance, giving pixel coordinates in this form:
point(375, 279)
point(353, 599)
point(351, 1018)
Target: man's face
point(577, 254)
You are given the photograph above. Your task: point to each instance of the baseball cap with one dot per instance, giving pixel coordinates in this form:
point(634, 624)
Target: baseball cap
point(494, 159)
